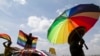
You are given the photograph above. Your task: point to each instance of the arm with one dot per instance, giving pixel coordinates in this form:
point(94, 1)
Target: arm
point(83, 42)
point(4, 44)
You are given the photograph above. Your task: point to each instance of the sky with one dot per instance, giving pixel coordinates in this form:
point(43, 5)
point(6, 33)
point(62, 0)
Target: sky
point(36, 16)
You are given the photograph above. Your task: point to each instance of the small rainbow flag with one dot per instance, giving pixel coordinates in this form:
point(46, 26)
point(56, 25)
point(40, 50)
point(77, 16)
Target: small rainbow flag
point(5, 36)
point(22, 39)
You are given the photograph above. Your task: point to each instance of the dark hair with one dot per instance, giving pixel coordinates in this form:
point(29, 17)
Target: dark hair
point(30, 34)
point(76, 34)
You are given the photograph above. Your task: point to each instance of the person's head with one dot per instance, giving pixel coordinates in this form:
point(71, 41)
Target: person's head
point(76, 35)
point(30, 34)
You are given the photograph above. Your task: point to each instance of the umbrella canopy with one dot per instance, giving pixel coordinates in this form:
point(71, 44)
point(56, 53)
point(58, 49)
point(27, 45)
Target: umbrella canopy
point(84, 15)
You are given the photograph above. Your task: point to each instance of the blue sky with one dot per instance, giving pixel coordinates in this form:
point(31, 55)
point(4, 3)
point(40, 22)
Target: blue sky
point(36, 16)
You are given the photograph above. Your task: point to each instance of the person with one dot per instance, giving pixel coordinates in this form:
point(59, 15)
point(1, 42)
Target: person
point(29, 38)
point(52, 51)
point(8, 49)
point(29, 41)
point(76, 48)
point(76, 43)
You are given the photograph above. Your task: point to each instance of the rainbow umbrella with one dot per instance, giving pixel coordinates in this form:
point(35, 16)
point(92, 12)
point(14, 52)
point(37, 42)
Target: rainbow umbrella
point(85, 15)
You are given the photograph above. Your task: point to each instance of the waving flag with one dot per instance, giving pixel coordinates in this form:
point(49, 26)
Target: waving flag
point(5, 36)
point(22, 39)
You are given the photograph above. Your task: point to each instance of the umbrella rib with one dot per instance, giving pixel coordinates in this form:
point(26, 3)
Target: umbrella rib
point(64, 30)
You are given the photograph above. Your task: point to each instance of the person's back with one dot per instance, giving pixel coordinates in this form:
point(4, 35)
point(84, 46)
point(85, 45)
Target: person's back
point(7, 51)
point(76, 49)
point(29, 41)
point(76, 42)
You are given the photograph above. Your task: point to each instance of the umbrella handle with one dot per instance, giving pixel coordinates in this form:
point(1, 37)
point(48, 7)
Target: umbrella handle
point(86, 46)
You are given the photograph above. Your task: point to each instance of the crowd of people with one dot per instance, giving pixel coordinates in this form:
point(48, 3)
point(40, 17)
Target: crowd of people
point(27, 51)
point(75, 41)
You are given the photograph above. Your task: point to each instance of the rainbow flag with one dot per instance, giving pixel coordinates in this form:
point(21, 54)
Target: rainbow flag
point(22, 39)
point(5, 36)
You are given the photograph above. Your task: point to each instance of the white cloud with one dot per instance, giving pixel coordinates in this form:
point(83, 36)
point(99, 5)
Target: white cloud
point(39, 24)
point(96, 39)
point(93, 45)
point(94, 49)
point(20, 1)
